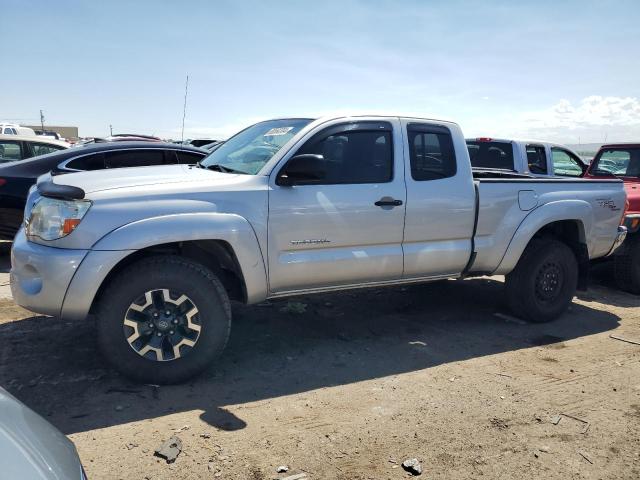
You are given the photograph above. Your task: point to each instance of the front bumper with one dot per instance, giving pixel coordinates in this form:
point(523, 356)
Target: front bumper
point(40, 275)
point(620, 237)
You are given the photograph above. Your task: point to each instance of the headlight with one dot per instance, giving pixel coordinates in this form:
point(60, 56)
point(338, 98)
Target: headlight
point(52, 218)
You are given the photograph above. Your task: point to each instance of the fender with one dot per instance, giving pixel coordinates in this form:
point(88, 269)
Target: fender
point(125, 240)
point(576, 210)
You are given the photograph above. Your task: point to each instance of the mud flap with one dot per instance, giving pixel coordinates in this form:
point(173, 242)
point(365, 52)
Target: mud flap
point(582, 253)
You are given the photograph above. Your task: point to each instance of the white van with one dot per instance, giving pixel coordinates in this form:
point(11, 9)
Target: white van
point(15, 129)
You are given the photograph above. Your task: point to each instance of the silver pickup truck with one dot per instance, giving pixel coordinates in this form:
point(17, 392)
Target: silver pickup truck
point(297, 206)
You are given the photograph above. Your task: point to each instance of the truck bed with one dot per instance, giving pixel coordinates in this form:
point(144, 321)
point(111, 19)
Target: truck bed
point(506, 199)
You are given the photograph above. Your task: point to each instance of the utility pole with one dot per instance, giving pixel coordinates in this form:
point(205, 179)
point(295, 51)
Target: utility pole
point(184, 109)
point(111, 130)
point(42, 121)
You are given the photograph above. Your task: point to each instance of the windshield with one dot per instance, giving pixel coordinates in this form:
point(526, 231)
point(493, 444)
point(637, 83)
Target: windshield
point(249, 150)
point(622, 162)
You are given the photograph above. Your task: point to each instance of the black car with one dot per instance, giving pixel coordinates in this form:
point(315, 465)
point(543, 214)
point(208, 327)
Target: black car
point(17, 177)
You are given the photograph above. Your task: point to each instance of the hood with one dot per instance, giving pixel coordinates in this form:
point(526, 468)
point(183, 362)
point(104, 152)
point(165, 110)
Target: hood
point(30, 447)
point(112, 178)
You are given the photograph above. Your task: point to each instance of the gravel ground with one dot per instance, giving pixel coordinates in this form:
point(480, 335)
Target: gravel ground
point(353, 386)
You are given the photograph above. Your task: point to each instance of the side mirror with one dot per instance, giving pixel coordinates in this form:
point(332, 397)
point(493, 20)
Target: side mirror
point(302, 169)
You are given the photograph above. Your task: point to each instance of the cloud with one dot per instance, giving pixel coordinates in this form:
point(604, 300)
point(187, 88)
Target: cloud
point(590, 112)
point(592, 119)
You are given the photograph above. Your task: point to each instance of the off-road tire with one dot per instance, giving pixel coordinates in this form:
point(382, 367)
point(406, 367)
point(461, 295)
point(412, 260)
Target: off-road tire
point(627, 265)
point(163, 272)
point(525, 284)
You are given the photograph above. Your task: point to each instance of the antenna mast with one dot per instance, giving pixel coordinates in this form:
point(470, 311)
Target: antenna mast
point(184, 109)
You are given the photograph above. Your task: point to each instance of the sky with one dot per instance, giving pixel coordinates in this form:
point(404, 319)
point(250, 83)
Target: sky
point(565, 71)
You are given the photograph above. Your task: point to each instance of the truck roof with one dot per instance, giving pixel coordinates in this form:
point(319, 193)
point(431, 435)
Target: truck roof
point(516, 140)
point(34, 138)
point(621, 145)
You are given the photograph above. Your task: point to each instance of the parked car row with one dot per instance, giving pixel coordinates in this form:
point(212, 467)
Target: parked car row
point(525, 156)
point(550, 159)
point(16, 178)
point(299, 206)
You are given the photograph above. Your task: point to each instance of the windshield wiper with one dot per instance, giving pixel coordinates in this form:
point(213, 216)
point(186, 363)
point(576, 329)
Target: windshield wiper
point(220, 168)
point(597, 171)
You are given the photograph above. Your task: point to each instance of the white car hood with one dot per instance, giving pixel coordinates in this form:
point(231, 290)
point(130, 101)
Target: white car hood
point(98, 180)
point(30, 447)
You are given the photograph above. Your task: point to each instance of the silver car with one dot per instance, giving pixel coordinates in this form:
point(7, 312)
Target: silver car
point(32, 448)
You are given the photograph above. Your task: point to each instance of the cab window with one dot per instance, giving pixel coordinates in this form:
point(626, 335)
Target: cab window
point(133, 158)
point(44, 148)
point(565, 164)
point(431, 152)
point(351, 155)
point(10, 151)
point(87, 162)
point(623, 162)
point(537, 159)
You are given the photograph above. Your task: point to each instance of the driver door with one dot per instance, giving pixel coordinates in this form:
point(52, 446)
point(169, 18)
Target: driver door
point(347, 227)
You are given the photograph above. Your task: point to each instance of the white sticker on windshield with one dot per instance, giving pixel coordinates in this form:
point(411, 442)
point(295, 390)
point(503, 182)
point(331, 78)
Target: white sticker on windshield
point(278, 131)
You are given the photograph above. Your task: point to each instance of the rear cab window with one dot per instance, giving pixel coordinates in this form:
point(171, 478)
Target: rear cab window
point(431, 152)
point(491, 154)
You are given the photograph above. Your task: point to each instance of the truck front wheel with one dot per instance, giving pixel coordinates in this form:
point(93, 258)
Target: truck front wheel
point(542, 285)
point(163, 319)
point(627, 264)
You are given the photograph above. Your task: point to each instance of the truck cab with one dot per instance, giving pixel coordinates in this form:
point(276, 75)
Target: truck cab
point(622, 160)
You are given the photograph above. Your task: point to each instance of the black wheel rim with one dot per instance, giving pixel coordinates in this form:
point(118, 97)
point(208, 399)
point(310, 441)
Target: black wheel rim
point(549, 282)
point(162, 325)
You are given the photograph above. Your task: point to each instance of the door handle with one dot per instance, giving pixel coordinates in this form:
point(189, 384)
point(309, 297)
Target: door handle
point(388, 202)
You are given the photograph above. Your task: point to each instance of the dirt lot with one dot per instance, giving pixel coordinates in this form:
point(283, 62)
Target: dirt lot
point(355, 385)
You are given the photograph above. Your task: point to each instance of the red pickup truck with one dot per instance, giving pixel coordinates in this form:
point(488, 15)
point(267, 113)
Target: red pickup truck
point(623, 160)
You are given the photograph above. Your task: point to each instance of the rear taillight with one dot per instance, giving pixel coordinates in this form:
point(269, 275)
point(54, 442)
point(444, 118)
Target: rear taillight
point(2, 181)
point(484, 139)
point(624, 213)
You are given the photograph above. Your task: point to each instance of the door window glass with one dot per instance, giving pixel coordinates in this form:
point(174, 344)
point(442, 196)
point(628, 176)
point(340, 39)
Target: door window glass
point(537, 159)
point(189, 158)
point(88, 162)
point(623, 162)
point(133, 158)
point(43, 148)
point(354, 156)
point(10, 151)
point(564, 164)
point(431, 154)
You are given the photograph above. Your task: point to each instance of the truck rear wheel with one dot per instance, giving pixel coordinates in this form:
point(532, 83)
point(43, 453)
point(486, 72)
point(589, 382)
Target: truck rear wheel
point(163, 320)
point(543, 284)
point(627, 265)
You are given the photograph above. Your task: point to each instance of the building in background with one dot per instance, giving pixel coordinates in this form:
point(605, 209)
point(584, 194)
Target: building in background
point(70, 133)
